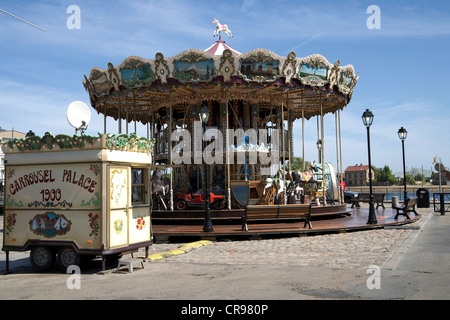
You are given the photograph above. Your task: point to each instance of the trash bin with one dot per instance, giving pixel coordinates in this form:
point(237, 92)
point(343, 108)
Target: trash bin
point(423, 198)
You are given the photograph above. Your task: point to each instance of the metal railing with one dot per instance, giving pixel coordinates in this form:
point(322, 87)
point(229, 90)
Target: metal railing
point(441, 205)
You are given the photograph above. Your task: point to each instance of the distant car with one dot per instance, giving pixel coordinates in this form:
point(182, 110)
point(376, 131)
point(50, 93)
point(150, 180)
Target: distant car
point(349, 195)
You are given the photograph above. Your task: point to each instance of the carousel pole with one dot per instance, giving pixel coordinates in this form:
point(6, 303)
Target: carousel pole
point(283, 147)
point(319, 158)
point(104, 120)
point(303, 134)
point(134, 111)
point(340, 152)
point(228, 154)
point(119, 120)
point(126, 121)
point(290, 129)
point(323, 152)
point(337, 154)
point(169, 142)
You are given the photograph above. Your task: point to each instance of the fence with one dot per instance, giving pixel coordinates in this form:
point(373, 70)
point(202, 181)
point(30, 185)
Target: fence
point(437, 202)
point(397, 191)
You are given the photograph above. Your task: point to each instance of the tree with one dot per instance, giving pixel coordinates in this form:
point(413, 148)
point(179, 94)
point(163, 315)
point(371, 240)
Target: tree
point(297, 163)
point(419, 177)
point(410, 179)
point(385, 175)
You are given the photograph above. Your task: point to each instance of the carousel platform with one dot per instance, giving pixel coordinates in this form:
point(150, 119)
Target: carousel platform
point(234, 216)
point(354, 220)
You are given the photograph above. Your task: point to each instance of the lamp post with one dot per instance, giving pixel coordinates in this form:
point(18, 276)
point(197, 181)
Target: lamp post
point(402, 133)
point(207, 225)
point(367, 119)
point(319, 148)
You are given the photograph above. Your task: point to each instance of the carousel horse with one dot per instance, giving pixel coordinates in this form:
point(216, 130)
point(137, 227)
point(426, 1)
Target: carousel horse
point(221, 27)
point(158, 185)
point(159, 189)
point(304, 182)
point(274, 188)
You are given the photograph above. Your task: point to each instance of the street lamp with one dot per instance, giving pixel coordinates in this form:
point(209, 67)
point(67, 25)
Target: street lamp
point(319, 148)
point(402, 133)
point(367, 119)
point(207, 225)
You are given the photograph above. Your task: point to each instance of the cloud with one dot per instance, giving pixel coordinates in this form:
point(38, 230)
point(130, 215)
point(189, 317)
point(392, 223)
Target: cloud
point(247, 4)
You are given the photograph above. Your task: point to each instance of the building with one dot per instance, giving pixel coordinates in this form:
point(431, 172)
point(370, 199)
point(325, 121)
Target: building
point(358, 175)
point(6, 135)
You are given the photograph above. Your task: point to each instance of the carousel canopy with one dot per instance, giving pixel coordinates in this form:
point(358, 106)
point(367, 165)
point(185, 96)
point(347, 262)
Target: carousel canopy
point(138, 86)
point(218, 47)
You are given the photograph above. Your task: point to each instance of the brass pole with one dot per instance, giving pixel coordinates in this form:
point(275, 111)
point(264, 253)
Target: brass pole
point(303, 134)
point(169, 142)
point(340, 151)
point(228, 155)
point(323, 152)
point(283, 146)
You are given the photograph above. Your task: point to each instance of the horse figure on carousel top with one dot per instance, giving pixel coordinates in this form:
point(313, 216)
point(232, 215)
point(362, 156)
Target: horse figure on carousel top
point(221, 27)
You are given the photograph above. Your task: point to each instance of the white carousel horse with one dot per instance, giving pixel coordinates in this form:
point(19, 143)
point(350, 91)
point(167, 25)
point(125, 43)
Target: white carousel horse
point(221, 27)
point(158, 184)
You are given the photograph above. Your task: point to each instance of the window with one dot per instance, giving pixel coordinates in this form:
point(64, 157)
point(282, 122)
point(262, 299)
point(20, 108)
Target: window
point(137, 185)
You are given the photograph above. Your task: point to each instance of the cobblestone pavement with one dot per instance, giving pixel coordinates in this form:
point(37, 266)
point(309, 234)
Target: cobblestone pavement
point(344, 250)
point(328, 266)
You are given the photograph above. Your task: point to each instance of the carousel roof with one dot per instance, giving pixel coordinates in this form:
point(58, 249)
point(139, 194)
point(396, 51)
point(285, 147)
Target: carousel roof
point(218, 47)
point(139, 86)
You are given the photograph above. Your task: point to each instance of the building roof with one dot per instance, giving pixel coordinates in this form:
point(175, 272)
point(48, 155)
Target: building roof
point(10, 134)
point(359, 167)
point(218, 47)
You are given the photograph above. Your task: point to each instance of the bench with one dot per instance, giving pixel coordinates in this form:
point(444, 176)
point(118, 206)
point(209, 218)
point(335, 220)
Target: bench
point(378, 198)
point(409, 206)
point(275, 212)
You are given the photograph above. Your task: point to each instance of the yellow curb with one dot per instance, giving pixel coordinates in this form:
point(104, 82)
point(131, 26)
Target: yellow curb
point(181, 249)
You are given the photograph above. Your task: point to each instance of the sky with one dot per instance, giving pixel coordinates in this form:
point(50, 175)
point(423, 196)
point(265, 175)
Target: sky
point(403, 63)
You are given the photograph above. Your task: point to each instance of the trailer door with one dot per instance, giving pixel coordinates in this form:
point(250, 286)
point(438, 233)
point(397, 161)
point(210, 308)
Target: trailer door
point(119, 203)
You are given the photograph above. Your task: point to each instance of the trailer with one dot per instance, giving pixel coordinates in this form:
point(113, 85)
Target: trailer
point(73, 197)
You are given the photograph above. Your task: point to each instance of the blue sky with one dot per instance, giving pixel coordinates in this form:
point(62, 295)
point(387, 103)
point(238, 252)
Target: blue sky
point(403, 67)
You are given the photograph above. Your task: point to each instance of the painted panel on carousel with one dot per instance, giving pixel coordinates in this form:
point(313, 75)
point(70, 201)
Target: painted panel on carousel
point(136, 73)
point(100, 82)
point(347, 80)
point(314, 71)
point(194, 66)
point(259, 66)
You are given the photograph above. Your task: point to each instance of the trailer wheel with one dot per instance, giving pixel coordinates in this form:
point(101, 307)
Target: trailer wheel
point(67, 257)
point(42, 258)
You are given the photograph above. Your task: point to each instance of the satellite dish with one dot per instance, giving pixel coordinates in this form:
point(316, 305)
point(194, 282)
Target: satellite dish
point(78, 115)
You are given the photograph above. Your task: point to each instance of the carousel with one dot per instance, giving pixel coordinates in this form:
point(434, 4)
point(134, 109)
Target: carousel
point(218, 116)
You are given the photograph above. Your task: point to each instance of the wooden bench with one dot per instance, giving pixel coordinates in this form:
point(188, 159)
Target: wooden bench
point(275, 212)
point(378, 198)
point(409, 206)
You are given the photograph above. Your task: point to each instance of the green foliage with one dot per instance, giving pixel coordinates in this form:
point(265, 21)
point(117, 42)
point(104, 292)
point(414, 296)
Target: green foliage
point(297, 163)
point(410, 179)
point(384, 175)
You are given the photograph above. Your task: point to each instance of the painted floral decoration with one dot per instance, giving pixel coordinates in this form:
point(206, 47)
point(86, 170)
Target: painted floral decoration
point(93, 224)
point(118, 225)
point(95, 168)
point(10, 173)
point(140, 224)
point(10, 222)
